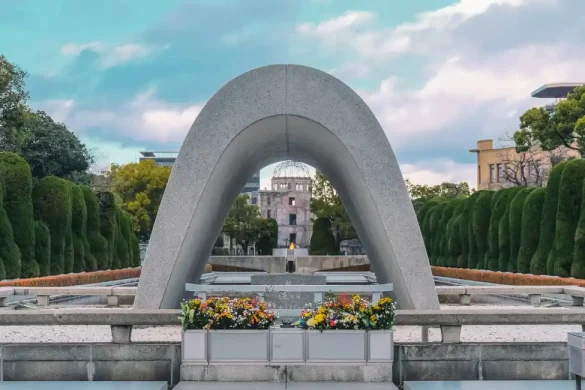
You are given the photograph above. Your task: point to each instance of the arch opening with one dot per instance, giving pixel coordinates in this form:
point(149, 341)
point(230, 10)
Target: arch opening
point(361, 167)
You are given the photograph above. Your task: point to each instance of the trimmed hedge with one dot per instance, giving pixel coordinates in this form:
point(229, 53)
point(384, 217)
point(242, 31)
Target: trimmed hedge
point(16, 179)
point(498, 208)
point(578, 265)
point(435, 237)
point(52, 205)
point(446, 216)
point(135, 250)
point(481, 226)
point(424, 221)
point(539, 265)
point(568, 213)
point(515, 218)
point(98, 245)
point(468, 245)
point(453, 251)
point(43, 248)
point(108, 226)
point(530, 232)
point(9, 252)
point(74, 279)
point(322, 240)
point(504, 241)
point(122, 246)
point(69, 257)
point(78, 226)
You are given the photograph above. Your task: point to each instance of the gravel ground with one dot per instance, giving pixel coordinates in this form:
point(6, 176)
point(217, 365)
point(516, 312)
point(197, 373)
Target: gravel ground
point(97, 334)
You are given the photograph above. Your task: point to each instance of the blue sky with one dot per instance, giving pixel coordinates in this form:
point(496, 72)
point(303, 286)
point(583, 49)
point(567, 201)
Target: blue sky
point(439, 74)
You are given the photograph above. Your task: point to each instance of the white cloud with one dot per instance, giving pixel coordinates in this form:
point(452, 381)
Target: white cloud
point(58, 109)
point(432, 172)
point(146, 118)
point(110, 55)
point(111, 152)
point(344, 23)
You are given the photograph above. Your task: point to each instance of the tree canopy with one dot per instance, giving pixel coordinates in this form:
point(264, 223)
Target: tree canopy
point(443, 191)
point(565, 126)
point(245, 226)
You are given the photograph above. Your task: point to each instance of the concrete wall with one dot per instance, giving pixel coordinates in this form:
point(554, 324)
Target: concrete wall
point(273, 264)
point(161, 362)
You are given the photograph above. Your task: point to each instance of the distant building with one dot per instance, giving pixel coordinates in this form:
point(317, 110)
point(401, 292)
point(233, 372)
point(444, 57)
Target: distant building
point(289, 203)
point(167, 159)
point(504, 167)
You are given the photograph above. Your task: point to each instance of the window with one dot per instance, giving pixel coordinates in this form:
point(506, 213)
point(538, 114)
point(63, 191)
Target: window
point(254, 200)
point(492, 173)
point(292, 219)
point(500, 173)
point(291, 201)
point(268, 200)
point(293, 238)
point(274, 186)
point(288, 186)
point(268, 214)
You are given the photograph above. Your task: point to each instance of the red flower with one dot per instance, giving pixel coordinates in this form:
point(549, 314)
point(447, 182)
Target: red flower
point(344, 299)
point(332, 323)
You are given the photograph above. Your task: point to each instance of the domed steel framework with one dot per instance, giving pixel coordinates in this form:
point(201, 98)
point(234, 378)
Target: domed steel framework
point(289, 168)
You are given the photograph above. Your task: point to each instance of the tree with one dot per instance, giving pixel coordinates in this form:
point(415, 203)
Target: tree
point(9, 252)
point(141, 187)
point(108, 227)
point(465, 233)
point(43, 248)
point(78, 229)
point(504, 240)
point(444, 191)
point(243, 223)
point(52, 205)
point(568, 213)
point(539, 264)
point(424, 221)
point(564, 127)
point(498, 208)
point(436, 214)
point(268, 237)
point(122, 246)
point(481, 226)
point(442, 233)
point(16, 178)
point(13, 97)
point(454, 240)
point(322, 240)
point(98, 245)
point(326, 203)
point(531, 222)
point(515, 219)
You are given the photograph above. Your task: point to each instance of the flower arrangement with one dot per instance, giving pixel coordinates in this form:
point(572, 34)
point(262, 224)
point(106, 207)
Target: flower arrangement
point(344, 312)
point(226, 313)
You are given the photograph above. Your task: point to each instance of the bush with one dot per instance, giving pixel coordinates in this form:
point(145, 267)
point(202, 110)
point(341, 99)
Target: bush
point(43, 248)
point(52, 205)
point(498, 207)
point(441, 231)
point(481, 225)
point(531, 216)
point(69, 257)
point(434, 228)
point(515, 218)
point(78, 227)
point(424, 223)
point(122, 246)
point(98, 245)
point(9, 252)
point(504, 229)
point(468, 245)
point(453, 243)
point(322, 240)
point(578, 266)
point(568, 213)
point(108, 225)
point(74, 279)
point(135, 250)
point(16, 179)
point(539, 265)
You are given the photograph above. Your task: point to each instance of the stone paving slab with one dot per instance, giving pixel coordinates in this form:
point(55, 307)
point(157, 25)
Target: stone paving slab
point(490, 385)
point(283, 386)
point(73, 385)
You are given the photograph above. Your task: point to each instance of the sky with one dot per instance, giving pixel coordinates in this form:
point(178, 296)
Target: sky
point(439, 74)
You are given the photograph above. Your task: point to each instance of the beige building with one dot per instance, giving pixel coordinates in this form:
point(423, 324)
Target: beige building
point(289, 203)
point(504, 167)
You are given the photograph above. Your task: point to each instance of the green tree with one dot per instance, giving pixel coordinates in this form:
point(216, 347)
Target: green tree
point(16, 178)
point(52, 205)
point(424, 221)
point(69, 244)
point(578, 265)
point(498, 207)
point(325, 203)
point(108, 228)
point(504, 241)
point(453, 238)
point(243, 224)
point(13, 97)
point(435, 231)
point(268, 237)
point(481, 226)
point(122, 246)
point(467, 249)
point(442, 231)
point(322, 240)
point(564, 127)
point(43, 248)
point(531, 222)
point(98, 246)
point(568, 213)
point(79, 229)
point(141, 187)
point(444, 191)
point(9, 252)
point(539, 264)
point(515, 216)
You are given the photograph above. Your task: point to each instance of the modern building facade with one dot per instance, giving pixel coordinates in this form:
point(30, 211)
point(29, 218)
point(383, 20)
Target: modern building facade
point(289, 203)
point(167, 159)
point(504, 167)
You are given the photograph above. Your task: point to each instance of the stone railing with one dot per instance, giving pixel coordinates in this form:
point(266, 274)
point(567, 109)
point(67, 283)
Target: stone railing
point(534, 293)
point(450, 321)
point(43, 294)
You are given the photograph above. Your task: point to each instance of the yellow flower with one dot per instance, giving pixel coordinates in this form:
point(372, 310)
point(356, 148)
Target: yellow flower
point(311, 322)
point(373, 318)
point(319, 318)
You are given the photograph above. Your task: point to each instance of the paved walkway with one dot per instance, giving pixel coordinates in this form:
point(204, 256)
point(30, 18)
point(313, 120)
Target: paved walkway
point(284, 386)
point(491, 385)
point(72, 385)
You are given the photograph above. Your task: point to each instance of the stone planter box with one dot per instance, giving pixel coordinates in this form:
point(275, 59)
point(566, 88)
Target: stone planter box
point(282, 346)
point(576, 344)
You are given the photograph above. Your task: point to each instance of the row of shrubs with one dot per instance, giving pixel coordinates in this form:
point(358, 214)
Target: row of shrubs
point(540, 231)
point(54, 226)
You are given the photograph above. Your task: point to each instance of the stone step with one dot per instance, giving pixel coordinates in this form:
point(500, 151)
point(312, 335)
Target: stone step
point(283, 386)
point(85, 385)
point(490, 385)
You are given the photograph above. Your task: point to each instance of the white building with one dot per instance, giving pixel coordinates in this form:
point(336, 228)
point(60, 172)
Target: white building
point(288, 201)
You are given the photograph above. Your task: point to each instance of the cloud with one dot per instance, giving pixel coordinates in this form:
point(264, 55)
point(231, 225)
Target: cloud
point(341, 24)
point(432, 172)
point(109, 152)
point(111, 56)
point(146, 118)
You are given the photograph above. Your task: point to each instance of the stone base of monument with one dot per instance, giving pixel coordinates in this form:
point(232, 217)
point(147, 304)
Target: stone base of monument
point(254, 373)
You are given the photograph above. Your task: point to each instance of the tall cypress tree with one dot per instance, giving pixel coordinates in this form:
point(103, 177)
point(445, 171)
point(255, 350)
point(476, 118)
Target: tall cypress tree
point(515, 217)
point(481, 225)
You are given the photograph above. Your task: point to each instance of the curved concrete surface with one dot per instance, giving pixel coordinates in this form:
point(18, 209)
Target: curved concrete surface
point(263, 116)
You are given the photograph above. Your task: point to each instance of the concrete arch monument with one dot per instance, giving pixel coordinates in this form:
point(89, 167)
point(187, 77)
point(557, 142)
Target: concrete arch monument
point(263, 116)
